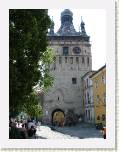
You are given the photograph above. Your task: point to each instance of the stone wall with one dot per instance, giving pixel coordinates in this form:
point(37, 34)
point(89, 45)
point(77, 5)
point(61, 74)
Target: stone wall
point(64, 95)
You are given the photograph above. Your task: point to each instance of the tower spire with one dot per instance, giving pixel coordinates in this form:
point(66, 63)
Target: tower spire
point(83, 31)
point(52, 27)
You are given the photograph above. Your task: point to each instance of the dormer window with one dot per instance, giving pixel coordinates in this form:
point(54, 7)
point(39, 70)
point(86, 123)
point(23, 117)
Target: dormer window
point(65, 50)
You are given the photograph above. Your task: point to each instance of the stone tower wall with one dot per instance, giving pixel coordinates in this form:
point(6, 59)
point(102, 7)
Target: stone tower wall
point(64, 95)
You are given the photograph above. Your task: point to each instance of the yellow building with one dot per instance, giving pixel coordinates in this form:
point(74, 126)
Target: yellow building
point(99, 95)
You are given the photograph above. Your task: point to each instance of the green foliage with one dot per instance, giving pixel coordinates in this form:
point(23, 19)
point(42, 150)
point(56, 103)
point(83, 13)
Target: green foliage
point(48, 56)
point(47, 59)
point(32, 107)
point(27, 47)
point(14, 133)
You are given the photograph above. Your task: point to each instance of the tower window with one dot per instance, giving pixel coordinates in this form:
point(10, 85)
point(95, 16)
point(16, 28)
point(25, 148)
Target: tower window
point(54, 66)
point(71, 60)
point(103, 117)
point(88, 60)
point(74, 80)
point(65, 50)
point(60, 60)
point(83, 60)
point(77, 60)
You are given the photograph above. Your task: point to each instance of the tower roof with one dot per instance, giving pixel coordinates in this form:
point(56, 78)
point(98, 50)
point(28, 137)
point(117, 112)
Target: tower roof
point(67, 27)
point(66, 12)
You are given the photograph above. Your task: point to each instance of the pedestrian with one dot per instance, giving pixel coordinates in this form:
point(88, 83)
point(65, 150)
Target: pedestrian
point(104, 132)
point(23, 132)
point(30, 123)
point(32, 131)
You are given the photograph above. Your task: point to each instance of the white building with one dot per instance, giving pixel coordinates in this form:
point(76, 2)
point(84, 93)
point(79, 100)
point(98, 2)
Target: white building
point(89, 114)
point(73, 60)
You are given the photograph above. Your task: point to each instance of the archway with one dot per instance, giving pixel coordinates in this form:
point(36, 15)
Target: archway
point(58, 117)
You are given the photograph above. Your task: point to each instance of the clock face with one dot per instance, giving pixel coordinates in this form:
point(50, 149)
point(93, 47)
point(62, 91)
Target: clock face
point(76, 50)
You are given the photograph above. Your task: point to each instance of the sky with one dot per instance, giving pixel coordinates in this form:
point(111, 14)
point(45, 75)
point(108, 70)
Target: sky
point(95, 26)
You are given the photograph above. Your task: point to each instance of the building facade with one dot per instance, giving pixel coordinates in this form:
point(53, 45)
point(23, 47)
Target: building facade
point(72, 60)
point(99, 95)
point(89, 115)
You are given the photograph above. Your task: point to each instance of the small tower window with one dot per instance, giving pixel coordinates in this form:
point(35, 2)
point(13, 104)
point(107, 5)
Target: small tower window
point(74, 80)
point(88, 61)
point(83, 60)
point(65, 50)
point(77, 60)
point(60, 60)
point(71, 60)
point(103, 117)
point(54, 66)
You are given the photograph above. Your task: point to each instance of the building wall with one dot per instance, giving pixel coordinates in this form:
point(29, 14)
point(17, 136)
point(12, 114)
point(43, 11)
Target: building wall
point(88, 99)
point(64, 95)
point(99, 96)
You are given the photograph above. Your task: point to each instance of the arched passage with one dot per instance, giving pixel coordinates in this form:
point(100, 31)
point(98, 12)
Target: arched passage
point(58, 117)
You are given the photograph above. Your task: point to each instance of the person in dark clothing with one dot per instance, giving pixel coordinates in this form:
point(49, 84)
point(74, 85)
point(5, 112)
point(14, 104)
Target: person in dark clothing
point(104, 132)
point(32, 131)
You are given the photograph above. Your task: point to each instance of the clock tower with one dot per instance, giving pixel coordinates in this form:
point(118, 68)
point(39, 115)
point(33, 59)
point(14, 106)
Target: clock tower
point(72, 60)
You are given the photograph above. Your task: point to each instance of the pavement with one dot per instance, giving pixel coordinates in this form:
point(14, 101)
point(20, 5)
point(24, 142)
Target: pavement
point(80, 131)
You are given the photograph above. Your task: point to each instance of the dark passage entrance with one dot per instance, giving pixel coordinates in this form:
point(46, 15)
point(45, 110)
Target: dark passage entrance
point(58, 117)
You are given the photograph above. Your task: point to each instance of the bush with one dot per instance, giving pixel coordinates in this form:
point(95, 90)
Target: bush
point(14, 133)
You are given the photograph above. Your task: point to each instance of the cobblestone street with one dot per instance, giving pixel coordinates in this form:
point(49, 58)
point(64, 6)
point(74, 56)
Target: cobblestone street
point(80, 131)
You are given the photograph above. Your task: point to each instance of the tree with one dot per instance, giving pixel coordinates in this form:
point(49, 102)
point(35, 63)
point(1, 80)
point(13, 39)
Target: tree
point(27, 47)
point(33, 107)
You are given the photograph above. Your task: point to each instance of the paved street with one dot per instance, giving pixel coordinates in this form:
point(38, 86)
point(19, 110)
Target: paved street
point(80, 131)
